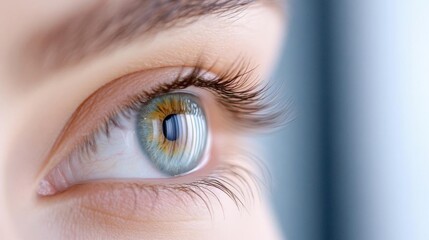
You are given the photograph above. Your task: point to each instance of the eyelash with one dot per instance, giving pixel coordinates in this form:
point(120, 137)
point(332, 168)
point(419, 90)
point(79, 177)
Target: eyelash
point(234, 90)
point(237, 93)
point(233, 180)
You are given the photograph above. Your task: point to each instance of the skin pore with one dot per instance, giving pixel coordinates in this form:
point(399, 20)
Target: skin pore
point(54, 57)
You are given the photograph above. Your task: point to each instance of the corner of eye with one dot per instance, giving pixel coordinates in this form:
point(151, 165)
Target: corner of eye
point(45, 188)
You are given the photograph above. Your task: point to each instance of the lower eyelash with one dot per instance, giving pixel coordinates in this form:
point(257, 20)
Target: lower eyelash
point(238, 181)
point(242, 180)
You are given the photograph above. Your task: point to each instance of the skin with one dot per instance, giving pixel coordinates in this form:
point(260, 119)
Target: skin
point(33, 114)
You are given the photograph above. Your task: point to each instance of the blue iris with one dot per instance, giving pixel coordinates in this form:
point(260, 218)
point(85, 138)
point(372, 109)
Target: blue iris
point(172, 131)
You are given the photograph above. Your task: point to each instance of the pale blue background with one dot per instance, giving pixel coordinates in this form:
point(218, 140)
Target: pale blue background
point(355, 162)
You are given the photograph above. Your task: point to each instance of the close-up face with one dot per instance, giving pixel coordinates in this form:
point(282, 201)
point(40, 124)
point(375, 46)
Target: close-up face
point(137, 119)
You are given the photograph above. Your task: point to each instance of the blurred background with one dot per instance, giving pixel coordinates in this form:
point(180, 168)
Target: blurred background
point(355, 162)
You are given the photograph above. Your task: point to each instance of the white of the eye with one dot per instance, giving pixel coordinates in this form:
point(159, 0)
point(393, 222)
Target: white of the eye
point(118, 156)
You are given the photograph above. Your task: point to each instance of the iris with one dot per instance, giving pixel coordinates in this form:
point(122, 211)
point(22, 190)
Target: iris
point(172, 132)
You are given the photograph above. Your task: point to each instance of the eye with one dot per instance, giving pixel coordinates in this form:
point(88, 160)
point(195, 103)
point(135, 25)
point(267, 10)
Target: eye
point(131, 130)
point(172, 132)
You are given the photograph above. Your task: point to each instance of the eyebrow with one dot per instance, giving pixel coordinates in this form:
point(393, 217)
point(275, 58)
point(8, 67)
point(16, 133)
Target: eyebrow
point(109, 24)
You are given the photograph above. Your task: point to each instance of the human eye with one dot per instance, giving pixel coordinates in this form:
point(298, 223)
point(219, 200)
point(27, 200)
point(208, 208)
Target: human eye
point(161, 133)
point(181, 136)
point(165, 137)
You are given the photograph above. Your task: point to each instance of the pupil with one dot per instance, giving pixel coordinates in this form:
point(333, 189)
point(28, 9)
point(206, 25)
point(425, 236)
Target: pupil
point(170, 127)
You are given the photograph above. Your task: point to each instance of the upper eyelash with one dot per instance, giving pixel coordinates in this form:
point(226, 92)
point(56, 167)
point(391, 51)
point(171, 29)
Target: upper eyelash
point(234, 89)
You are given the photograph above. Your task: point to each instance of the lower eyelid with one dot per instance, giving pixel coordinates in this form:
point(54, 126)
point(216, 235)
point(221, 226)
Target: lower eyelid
point(143, 204)
point(130, 202)
point(107, 209)
point(228, 191)
point(148, 228)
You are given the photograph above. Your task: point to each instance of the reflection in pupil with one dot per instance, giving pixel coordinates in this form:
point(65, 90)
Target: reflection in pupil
point(170, 127)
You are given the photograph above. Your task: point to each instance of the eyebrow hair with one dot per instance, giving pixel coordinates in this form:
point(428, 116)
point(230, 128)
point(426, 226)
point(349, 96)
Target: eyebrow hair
point(108, 24)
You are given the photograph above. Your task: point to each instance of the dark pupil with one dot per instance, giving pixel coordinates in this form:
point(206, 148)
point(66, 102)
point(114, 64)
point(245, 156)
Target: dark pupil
point(170, 127)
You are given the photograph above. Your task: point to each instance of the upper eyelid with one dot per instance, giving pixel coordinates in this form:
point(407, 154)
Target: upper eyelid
point(91, 111)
